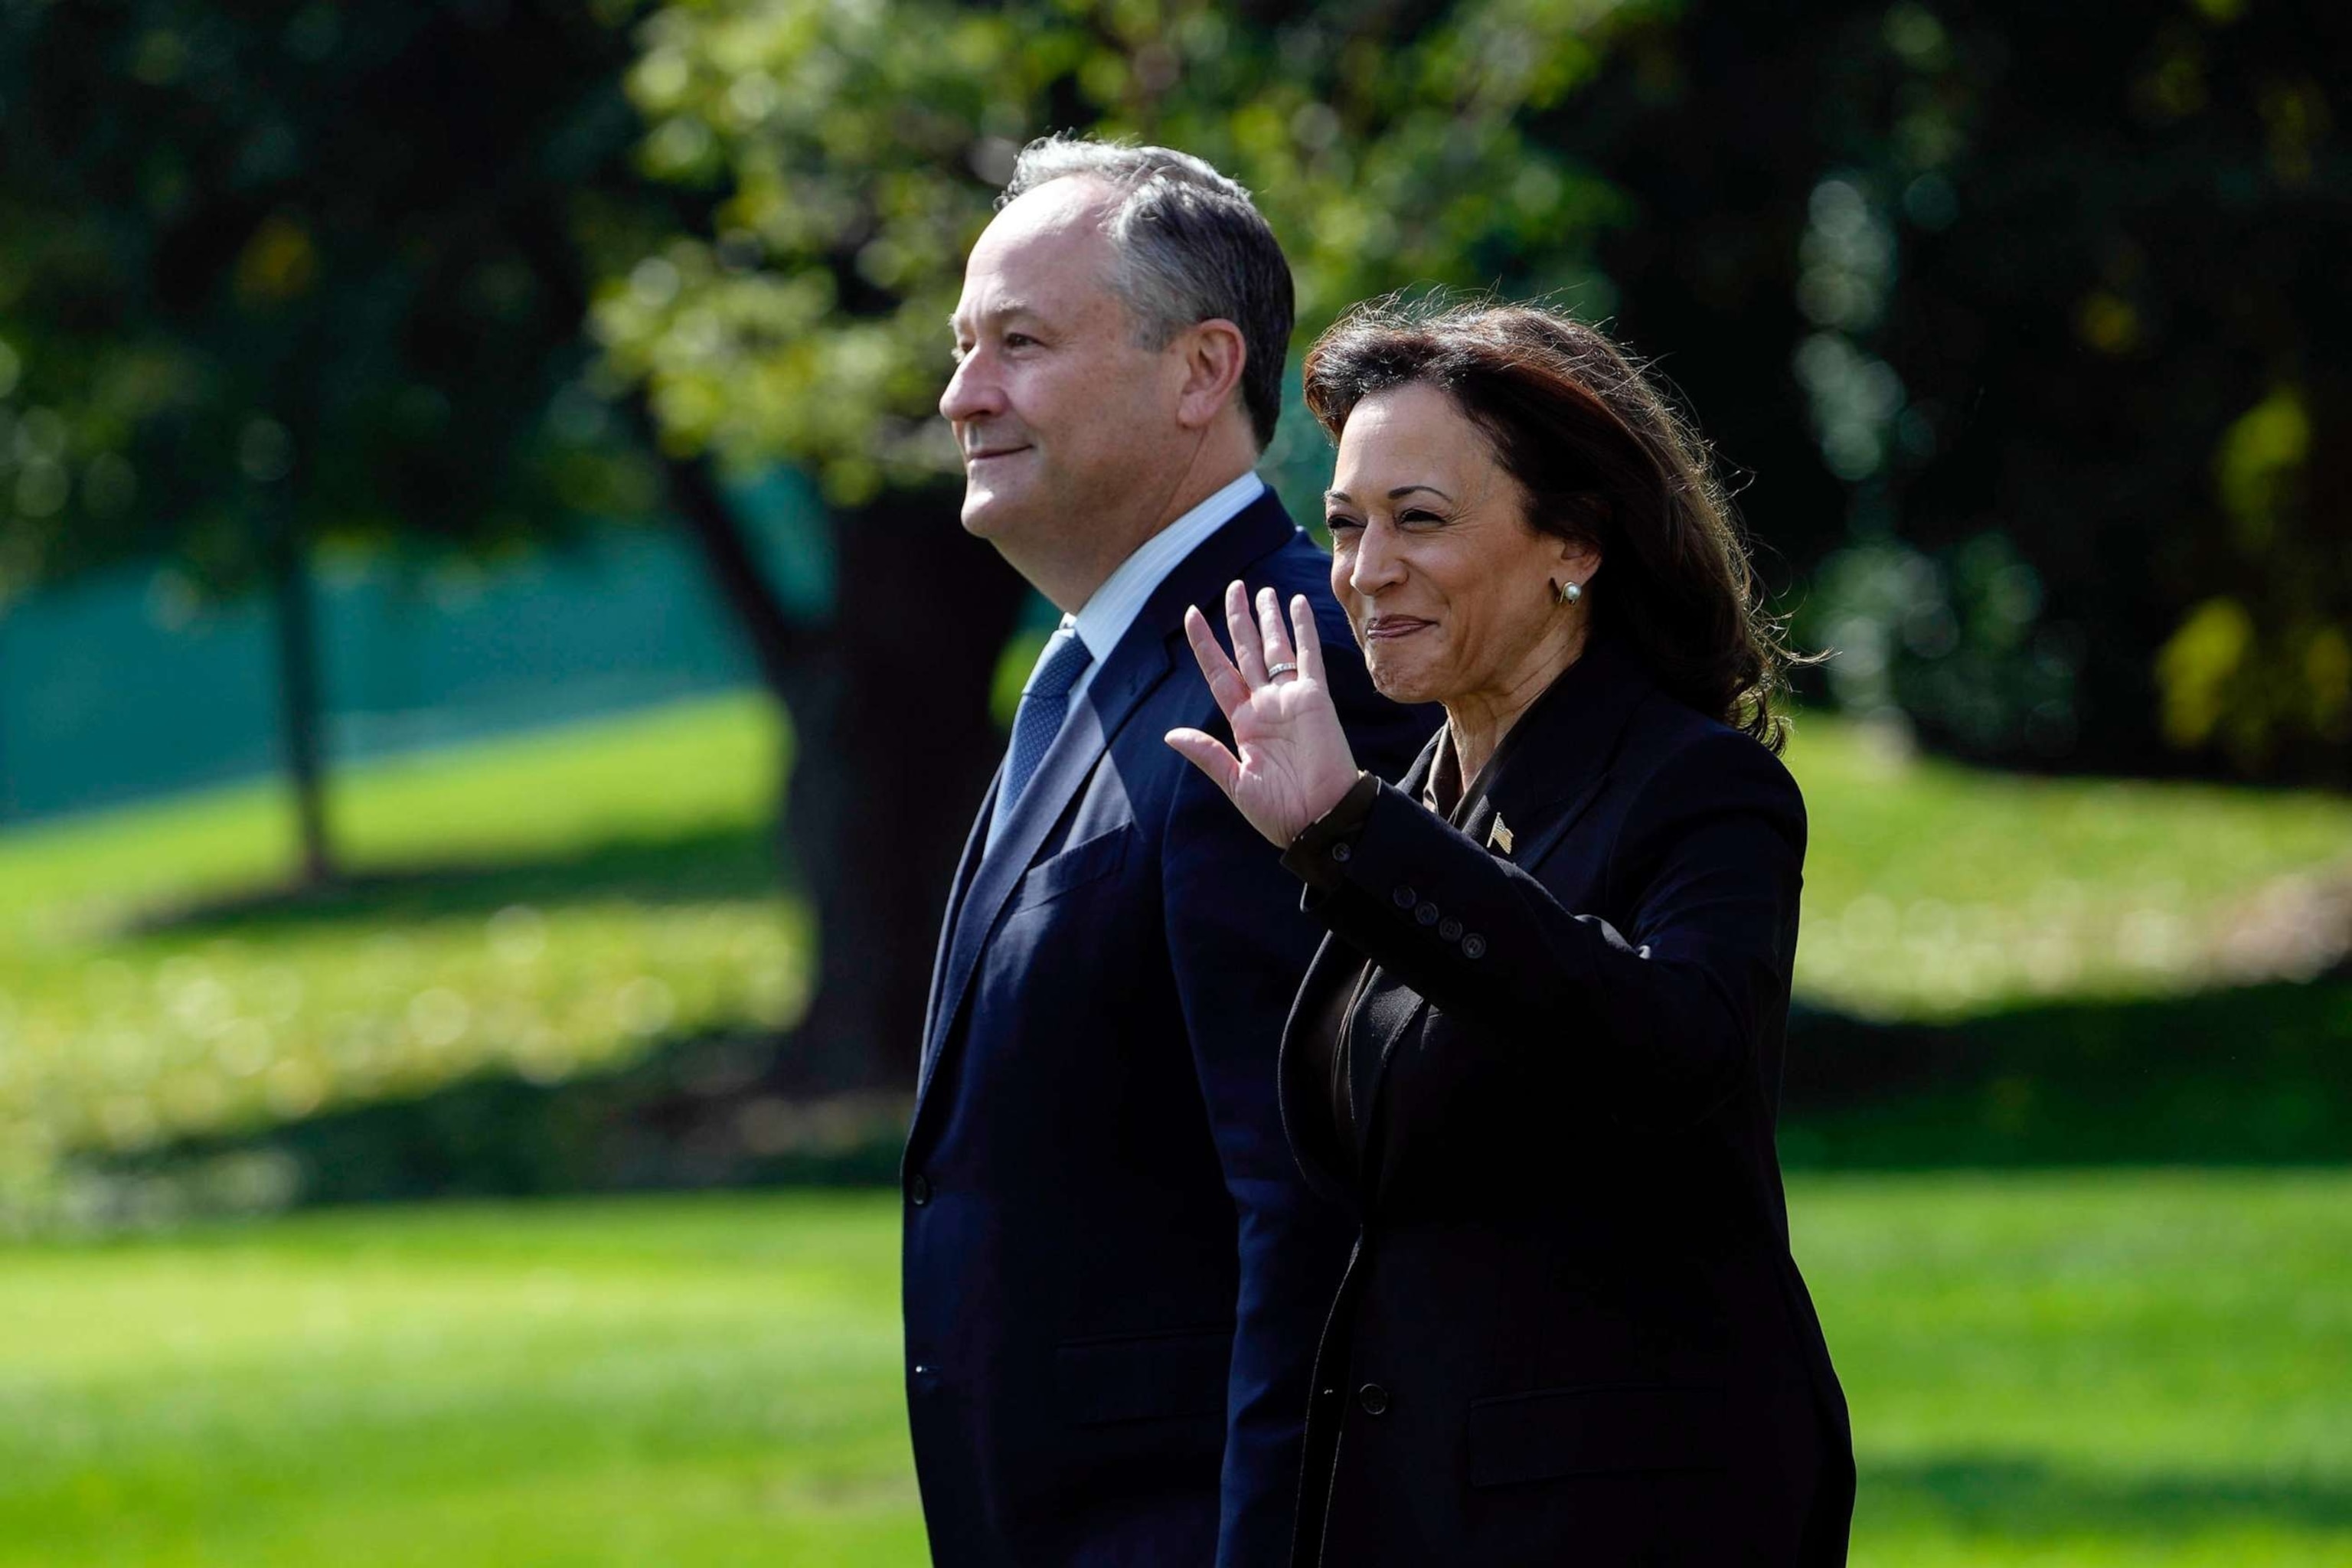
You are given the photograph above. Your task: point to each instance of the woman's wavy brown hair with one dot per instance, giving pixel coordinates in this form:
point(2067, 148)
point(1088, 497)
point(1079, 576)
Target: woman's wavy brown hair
point(1602, 457)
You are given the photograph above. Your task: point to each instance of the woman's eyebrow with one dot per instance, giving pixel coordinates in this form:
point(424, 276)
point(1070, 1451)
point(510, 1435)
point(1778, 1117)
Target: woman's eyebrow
point(1396, 494)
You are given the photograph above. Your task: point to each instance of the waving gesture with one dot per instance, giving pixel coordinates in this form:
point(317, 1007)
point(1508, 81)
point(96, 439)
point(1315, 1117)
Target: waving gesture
point(1295, 764)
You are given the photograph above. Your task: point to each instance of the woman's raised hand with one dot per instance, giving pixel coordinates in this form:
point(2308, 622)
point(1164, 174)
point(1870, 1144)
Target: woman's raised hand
point(1295, 764)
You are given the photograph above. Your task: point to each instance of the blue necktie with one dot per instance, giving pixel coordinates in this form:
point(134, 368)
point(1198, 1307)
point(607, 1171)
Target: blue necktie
point(1044, 703)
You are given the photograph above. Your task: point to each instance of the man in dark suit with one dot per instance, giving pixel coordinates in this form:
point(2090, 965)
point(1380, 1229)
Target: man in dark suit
point(1114, 1276)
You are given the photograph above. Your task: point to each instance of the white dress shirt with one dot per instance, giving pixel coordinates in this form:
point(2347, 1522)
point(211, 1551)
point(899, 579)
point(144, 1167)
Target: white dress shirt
point(1107, 614)
point(1104, 618)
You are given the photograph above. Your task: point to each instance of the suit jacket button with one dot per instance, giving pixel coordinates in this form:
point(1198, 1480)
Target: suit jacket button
point(919, 1191)
point(1373, 1398)
point(1474, 946)
point(1340, 852)
point(1426, 913)
point(1449, 929)
point(1405, 898)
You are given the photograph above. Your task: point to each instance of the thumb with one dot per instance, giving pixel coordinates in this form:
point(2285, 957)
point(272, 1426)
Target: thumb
point(1206, 754)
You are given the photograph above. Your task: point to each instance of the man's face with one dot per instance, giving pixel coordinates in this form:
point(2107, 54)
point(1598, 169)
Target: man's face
point(1059, 413)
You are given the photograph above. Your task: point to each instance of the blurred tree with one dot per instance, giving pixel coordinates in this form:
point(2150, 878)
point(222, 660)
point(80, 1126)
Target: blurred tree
point(282, 273)
point(2077, 331)
point(855, 148)
point(2026, 325)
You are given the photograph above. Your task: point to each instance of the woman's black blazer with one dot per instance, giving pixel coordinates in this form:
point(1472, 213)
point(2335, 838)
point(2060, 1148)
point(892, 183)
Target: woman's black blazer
point(1572, 1331)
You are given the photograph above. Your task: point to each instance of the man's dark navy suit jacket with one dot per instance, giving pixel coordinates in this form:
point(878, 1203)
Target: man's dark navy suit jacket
point(1115, 1276)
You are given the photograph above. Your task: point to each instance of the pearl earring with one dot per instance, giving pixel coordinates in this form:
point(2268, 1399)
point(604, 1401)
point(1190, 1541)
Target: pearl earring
point(1568, 592)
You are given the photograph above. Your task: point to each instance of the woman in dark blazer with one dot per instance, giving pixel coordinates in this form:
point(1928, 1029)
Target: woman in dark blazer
point(1539, 1053)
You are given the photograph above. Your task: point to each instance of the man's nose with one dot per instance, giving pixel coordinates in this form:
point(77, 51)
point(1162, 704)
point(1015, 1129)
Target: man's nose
point(971, 391)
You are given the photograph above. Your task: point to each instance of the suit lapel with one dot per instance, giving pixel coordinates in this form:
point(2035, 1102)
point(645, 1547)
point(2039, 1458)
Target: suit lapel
point(967, 866)
point(1142, 659)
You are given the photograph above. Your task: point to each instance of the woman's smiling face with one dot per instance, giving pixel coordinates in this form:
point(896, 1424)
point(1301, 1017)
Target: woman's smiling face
point(1449, 589)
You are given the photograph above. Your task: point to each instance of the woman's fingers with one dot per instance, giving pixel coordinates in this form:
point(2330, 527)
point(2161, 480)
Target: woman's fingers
point(1249, 654)
point(1204, 752)
point(1270, 628)
point(1231, 693)
point(1310, 641)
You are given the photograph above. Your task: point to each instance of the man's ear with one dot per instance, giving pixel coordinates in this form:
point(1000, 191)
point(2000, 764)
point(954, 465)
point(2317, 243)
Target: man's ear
point(1214, 355)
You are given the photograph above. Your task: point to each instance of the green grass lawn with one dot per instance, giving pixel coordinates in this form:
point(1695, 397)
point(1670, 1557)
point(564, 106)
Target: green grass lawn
point(2122, 1367)
point(1937, 891)
point(562, 902)
point(542, 905)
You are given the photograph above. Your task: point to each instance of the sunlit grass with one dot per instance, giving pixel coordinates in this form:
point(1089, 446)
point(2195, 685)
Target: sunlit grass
point(1933, 889)
point(2080, 1370)
point(2068, 1371)
point(541, 905)
point(701, 766)
point(559, 902)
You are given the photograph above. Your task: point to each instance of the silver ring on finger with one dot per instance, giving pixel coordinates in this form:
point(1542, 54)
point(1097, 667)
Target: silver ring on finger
point(1274, 671)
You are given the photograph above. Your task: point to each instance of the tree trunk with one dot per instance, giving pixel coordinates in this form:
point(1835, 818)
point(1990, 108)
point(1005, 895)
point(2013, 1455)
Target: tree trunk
point(896, 747)
point(298, 702)
point(893, 745)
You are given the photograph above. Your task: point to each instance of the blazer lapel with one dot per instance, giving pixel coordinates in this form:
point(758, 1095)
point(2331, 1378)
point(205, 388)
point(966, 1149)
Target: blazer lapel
point(1554, 765)
point(1557, 759)
point(1141, 661)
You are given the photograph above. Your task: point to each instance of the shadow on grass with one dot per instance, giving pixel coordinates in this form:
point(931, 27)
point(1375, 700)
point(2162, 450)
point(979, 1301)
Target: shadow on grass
point(719, 864)
point(2020, 1499)
point(2257, 1074)
point(707, 1113)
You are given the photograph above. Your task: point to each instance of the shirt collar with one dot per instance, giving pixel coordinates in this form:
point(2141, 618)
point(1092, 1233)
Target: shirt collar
point(1104, 618)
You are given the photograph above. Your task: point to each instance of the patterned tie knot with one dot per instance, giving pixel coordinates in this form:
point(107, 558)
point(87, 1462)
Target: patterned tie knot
point(1066, 659)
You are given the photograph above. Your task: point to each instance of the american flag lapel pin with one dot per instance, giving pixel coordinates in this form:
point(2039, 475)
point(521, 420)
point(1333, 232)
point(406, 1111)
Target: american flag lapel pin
point(1500, 836)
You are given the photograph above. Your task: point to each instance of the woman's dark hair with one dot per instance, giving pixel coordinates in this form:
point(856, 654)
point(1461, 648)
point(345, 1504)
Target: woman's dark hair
point(1602, 457)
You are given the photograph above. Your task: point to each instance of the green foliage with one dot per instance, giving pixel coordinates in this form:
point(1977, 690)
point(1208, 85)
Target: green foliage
point(544, 907)
point(2071, 1372)
point(2074, 288)
point(858, 147)
point(306, 267)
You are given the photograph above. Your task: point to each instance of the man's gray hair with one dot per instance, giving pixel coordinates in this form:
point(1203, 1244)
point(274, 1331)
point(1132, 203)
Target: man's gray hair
point(1191, 248)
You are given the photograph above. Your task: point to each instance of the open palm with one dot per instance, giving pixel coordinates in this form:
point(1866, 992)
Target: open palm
point(1294, 762)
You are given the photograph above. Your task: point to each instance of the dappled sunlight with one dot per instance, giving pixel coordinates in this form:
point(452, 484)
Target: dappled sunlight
point(171, 996)
point(1935, 890)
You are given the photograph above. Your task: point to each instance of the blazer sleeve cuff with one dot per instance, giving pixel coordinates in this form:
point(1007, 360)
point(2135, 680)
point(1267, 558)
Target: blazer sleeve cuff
point(1448, 918)
point(1318, 857)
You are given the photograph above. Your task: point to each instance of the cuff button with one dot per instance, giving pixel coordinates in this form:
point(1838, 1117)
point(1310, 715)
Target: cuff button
point(1474, 946)
point(1449, 930)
